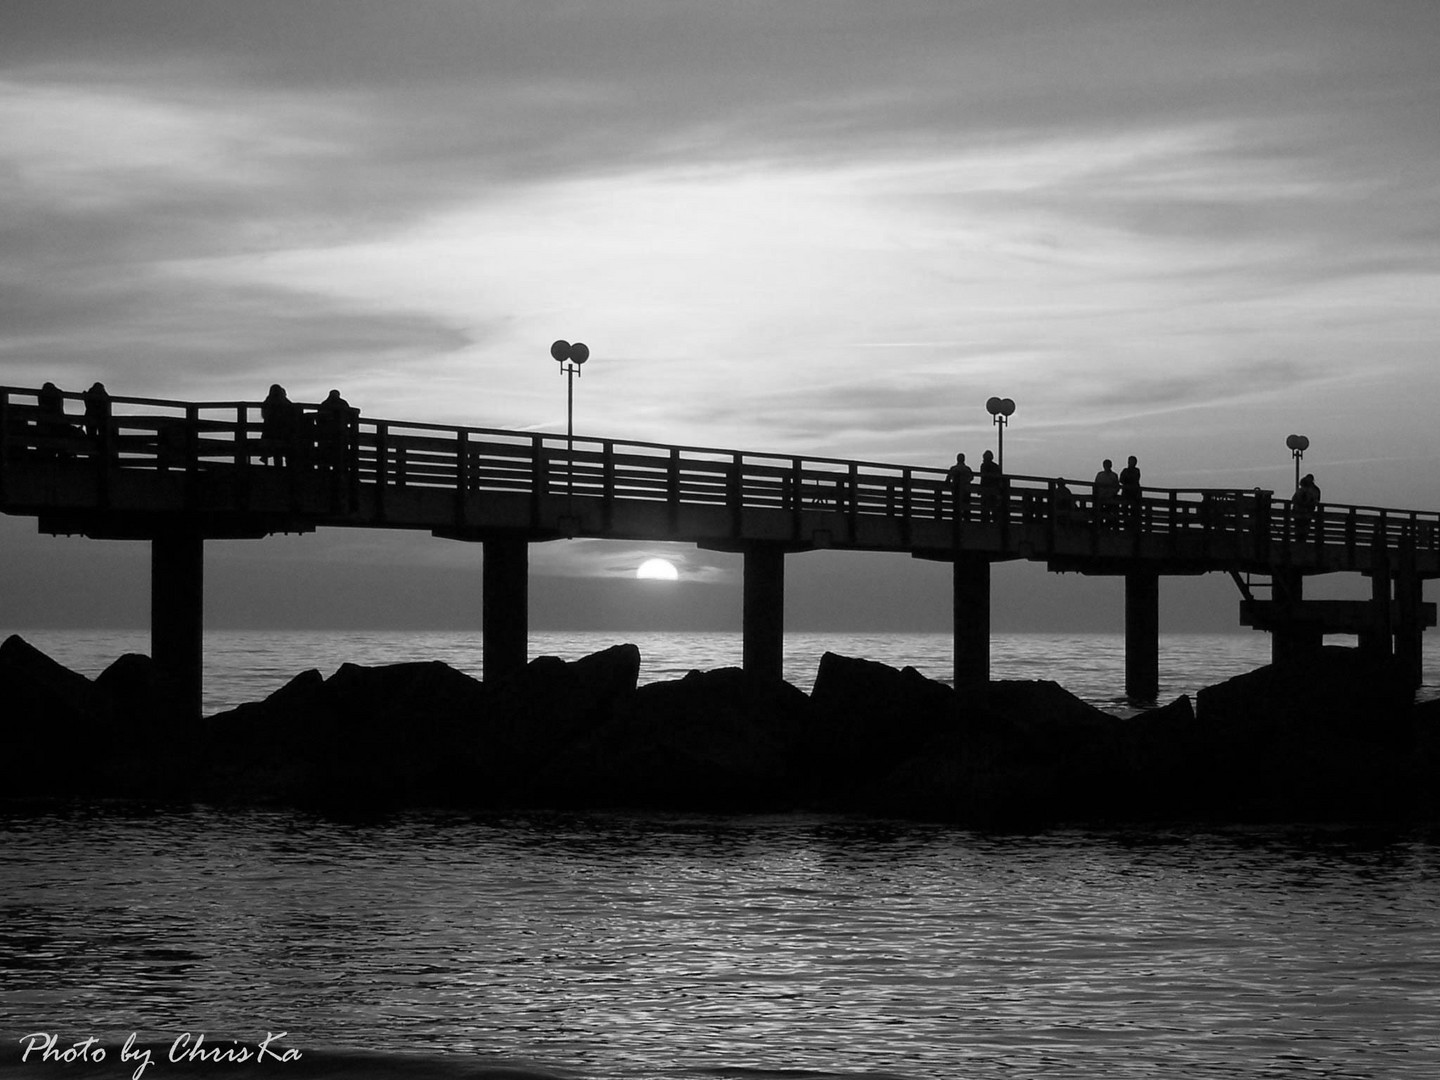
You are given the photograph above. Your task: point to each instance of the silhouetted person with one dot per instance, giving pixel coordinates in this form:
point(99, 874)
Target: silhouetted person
point(959, 477)
point(279, 426)
point(1130, 492)
point(1062, 503)
point(334, 421)
point(1307, 504)
point(1107, 492)
point(51, 425)
point(97, 416)
point(990, 485)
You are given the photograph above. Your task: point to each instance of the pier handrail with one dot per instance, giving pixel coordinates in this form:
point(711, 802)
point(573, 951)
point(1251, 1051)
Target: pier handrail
point(197, 437)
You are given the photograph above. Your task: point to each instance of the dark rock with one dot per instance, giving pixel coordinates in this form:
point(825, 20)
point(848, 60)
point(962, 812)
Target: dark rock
point(1023, 753)
point(1325, 738)
point(867, 717)
point(384, 735)
point(1341, 691)
point(147, 704)
point(715, 740)
point(1335, 739)
point(556, 703)
point(57, 724)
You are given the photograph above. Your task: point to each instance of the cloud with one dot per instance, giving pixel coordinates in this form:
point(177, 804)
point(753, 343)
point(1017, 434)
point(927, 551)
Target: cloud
point(825, 228)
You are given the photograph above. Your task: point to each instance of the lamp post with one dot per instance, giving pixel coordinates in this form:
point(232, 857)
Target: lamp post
point(1298, 444)
point(570, 358)
point(1000, 410)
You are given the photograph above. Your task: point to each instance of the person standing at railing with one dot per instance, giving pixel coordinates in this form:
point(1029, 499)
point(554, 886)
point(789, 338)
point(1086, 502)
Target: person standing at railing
point(51, 426)
point(1130, 492)
point(959, 477)
point(1106, 491)
point(279, 426)
point(97, 417)
point(1062, 503)
point(335, 432)
point(991, 486)
point(1307, 505)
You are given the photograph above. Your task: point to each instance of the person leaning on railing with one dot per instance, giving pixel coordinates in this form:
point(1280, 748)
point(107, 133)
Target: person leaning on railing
point(1130, 492)
point(1307, 504)
point(279, 426)
point(336, 432)
point(1106, 493)
point(959, 477)
point(991, 484)
point(97, 417)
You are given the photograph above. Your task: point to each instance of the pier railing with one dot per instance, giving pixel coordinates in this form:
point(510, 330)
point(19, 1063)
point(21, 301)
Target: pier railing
point(228, 437)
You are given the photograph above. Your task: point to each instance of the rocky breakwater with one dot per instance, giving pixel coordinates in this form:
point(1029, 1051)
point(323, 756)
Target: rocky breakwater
point(1336, 739)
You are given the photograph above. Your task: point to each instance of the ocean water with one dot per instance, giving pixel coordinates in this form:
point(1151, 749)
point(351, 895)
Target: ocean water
point(682, 947)
point(247, 665)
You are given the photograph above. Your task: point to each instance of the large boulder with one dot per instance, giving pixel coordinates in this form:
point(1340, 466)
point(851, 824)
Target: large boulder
point(369, 735)
point(1012, 752)
point(865, 718)
point(1331, 736)
point(57, 727)
point(552, 705)
point(714, 740)
point(1023, 752)
point(416, 733)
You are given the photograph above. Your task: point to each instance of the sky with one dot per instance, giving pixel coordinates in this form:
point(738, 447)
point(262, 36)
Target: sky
point(1176, 230)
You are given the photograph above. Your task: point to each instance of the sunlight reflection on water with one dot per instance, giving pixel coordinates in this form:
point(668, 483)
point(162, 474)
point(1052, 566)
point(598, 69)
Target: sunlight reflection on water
point(620, 946)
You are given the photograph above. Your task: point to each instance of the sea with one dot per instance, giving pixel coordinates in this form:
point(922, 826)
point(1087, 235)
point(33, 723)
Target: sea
point(247, 665)
point(157, 941)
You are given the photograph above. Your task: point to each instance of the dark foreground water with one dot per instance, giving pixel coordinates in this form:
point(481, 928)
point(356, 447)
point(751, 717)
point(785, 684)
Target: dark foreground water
point(693, 947)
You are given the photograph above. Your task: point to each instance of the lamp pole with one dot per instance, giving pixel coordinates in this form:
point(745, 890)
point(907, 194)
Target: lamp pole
point(1000, 410)
point(570, 358)
point(1298, 444)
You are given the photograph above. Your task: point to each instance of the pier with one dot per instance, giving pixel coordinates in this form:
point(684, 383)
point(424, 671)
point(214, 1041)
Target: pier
point(178, 474)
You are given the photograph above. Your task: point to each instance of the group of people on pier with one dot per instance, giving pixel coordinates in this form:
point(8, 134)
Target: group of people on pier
point(1116, 499)
point(326, 436)
point(290, 435)
point(56, 431)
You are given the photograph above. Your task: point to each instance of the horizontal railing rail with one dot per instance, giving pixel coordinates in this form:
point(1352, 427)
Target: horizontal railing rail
point(134, 433)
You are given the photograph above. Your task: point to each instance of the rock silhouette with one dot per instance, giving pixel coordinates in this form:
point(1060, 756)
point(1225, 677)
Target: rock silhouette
point(1335, 739)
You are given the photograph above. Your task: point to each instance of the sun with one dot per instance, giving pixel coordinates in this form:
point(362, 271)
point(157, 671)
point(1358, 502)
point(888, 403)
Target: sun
point(657, 570)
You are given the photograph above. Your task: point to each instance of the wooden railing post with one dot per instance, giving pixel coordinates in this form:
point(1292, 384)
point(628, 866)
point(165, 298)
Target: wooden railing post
point(797, 496)
point(192, 451)
point(735, 493)
point(242, 438)
point(607, 490)
point(852, 498)
point(538, 477)
point(6, 450)
point(462, 473)
point(382, 466)
point(672, 487)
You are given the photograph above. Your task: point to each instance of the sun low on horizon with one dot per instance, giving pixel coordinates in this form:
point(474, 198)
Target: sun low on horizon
point(657, 570)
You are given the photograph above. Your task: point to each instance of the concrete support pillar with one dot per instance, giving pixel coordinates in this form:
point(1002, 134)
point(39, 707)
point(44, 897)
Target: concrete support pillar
point(763, 650)
point(1292, 638)
point(972, 618)
point(1142, 635)
point(177, 616)
point(1375, 640)
point(505, 619)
